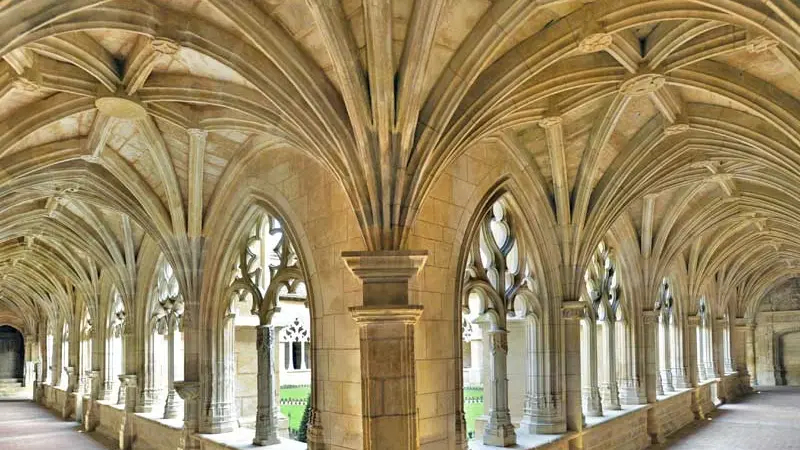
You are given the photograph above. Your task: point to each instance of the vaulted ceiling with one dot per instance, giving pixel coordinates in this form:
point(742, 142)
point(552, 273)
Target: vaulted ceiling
point(674, 124)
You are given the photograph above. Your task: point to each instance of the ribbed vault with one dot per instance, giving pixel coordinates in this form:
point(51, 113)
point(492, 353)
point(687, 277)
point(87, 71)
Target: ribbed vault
point(671, 127)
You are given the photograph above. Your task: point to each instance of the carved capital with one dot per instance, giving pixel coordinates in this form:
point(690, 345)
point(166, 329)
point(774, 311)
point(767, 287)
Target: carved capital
point(762, 43)
point(188, 390)
point(120, 108)
point(573, 310)
point(649, 317)
point(197, 132)
point(365, 315)
point(693, 320)
point(595, 42)
point(164, 46)
point(550, 121)
point(25, 84)
point(676, 128)
point(385, 274)
point(128, 380)
point(642, 84)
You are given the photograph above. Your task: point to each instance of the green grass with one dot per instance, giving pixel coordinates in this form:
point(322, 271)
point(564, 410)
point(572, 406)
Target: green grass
point(472, 410)
point(294, 412)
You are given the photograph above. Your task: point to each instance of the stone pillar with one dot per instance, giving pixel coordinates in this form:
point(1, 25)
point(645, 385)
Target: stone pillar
point(651, 334)
point(386, 329)
point(499, 430)
point(69, 406)
point(694, 346)
point(89, 410)
point(609, 390)
point(189, 392)
point(266, 417)
point(591, 390)
point(680, 377)
point(282, 422)
point(709, 341)
point(173, 405)
point(541, 413)
point(629, 368)
point(665, 363)
point(148, 393)
point(573, 312)
point(700, 360)
point(127, 397)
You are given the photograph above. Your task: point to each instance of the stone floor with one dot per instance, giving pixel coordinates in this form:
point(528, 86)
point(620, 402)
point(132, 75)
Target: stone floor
point(25, 425)
point(769, 419)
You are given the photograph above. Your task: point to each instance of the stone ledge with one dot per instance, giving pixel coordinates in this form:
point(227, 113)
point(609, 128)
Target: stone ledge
point(610, 415)
point(243, 438)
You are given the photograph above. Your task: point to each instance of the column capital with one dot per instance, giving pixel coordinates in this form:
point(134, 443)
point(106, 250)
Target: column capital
point(742, 323)
point(385, 274)
point(649, 317)
point(128, 380)
point(365, 315)
point(385, 266)
point(573, 310)
point(693, 320)
point(188, 390)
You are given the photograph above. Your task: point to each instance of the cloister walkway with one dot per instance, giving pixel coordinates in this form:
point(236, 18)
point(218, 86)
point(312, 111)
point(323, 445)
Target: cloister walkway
point(24, 425)
point(769, 419)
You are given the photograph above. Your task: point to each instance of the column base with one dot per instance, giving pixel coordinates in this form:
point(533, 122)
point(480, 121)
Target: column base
point(499, 431)
point(220, 419)
point(632, 395)
point(543, 415)
point(594, 407)
point(610, 398)
point(173, 406)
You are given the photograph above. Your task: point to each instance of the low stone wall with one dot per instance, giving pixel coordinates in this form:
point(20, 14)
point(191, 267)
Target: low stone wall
point(675, 412)
point(626, 432)
point(109, 420)
point(153, 434)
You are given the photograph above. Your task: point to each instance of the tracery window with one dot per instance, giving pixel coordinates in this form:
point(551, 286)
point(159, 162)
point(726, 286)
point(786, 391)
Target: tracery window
point(666, 327)
point(605, 319)
point(167, 320)
point(705, 359)
point(87, 334)
point(296, 342)
point(64, 356)
point(266, 275)
point(498, 288)
point(116, 354)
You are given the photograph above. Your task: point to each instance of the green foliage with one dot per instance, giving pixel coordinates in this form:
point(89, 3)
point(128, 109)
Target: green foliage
point(302, 432)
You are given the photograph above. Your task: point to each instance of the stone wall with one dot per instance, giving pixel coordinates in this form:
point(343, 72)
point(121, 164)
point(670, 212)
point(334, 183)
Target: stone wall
point(11, 353)
point(776, 341)
point(627, 432)
point(675, 412)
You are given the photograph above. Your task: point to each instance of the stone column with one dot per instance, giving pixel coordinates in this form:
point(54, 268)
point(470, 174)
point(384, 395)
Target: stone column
point(651, 334)
point(89, 411)
point(499, 430)
point(700, 360)
point(266, 417)
point(591, 390)
point(109, 383)
point(127, 397)
point(386, 330)
point(541, 414)
point(694, 346)
point(665, 365)
point(629, 368)
point(609, 390)
point(282, 422)
point(573, 312)
point(148, 393)
point(746, 351)
point(709, 341)
point(189, 392)
point(173, 405)
point(680, 377)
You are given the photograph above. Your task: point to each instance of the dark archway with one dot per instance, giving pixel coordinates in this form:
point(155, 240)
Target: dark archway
point(12, 353)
